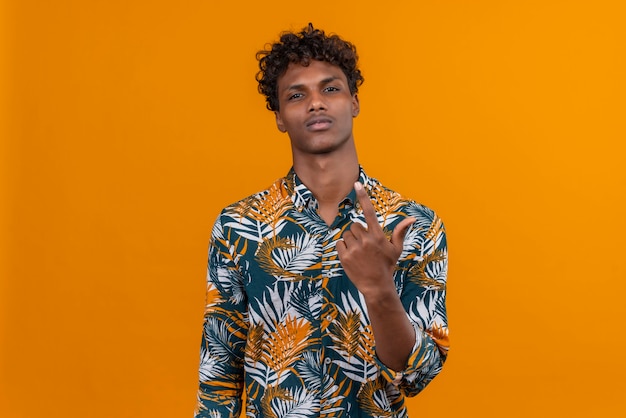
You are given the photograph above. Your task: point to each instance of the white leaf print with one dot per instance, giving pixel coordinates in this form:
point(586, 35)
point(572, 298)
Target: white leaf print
point(300, 257)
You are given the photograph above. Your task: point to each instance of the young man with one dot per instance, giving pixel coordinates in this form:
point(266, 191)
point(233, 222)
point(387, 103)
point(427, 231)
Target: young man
point(326, 292)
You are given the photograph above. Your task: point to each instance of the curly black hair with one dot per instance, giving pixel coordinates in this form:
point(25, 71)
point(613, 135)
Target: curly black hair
point(301, 48)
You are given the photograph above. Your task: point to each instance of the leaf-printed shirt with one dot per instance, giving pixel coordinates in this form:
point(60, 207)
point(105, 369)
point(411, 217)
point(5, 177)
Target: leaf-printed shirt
point(285, 323)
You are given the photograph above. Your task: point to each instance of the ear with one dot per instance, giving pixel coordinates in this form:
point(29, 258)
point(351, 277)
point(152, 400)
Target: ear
point(279, 122)
point(356, 106)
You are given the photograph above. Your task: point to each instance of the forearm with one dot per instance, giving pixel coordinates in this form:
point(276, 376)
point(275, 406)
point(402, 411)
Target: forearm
point(393, 333)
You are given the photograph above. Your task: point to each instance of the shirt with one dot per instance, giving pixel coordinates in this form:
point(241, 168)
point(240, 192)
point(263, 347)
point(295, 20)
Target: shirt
point(283, 317)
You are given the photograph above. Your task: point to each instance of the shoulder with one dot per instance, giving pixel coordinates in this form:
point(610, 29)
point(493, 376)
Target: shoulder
point(385, 196)
point(278, 193)
point(425, 236)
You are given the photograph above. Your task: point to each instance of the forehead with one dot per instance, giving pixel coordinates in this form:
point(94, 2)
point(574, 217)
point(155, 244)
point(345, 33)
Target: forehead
point(316, 72)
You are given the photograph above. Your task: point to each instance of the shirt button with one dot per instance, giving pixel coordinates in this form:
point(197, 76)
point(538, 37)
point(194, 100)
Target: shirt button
point(327, 360)
point(329, 318)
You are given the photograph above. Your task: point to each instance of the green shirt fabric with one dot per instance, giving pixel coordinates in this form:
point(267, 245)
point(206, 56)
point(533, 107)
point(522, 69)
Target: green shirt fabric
point(285, 328)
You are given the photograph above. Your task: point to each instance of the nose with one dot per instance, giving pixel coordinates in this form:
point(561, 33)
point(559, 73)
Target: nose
point(316, 102)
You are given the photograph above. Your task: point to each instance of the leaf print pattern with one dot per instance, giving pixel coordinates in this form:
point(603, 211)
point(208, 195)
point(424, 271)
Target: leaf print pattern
point(288, 258)
point(374, 401)
point(285, 345)
point(353, 339)
point(284, 323)
point(386, 203)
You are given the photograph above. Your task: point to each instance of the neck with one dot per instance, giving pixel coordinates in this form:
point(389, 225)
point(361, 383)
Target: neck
point(330, 177)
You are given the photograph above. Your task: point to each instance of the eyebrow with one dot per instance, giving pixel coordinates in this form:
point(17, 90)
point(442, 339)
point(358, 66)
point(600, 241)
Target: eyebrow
point(322, 82)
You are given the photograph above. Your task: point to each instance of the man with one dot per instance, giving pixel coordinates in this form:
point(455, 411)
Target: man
point(326, 292)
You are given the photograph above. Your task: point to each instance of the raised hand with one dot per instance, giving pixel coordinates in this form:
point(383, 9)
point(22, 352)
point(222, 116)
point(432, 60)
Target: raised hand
point(366, 255)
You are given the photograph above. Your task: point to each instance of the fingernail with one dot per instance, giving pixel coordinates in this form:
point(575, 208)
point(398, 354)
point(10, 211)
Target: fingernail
point(358, 186)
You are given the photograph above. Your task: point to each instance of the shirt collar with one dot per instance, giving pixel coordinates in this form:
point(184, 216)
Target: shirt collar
point(303, 198)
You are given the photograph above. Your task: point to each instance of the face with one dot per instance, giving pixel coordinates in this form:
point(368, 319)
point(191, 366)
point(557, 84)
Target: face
point(316, 108)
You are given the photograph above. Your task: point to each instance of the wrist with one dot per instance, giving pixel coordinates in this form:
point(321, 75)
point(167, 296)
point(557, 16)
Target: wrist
point(383, 293)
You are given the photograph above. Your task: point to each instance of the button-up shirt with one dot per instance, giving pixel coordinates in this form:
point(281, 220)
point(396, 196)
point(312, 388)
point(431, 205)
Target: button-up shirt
point(284, 322)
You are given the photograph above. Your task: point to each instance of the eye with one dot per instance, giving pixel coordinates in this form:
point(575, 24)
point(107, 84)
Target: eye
point(294, 96)
point(331, 89)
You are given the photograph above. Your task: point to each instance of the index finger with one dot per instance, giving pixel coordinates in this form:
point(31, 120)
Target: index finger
point(366, 204)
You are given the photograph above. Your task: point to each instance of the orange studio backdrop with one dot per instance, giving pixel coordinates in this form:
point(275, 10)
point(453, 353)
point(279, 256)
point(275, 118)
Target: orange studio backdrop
point(127, 126)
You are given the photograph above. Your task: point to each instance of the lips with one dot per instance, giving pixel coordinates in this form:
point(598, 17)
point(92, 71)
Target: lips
point(318, 123)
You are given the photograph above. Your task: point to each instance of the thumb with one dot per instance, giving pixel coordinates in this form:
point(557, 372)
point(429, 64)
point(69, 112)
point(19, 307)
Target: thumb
point(397, 236)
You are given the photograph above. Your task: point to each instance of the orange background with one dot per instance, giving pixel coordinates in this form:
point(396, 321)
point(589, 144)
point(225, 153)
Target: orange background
point(129, 124)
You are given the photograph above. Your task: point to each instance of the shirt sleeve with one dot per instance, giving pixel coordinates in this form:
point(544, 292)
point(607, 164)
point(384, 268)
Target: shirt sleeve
point(224, 332)
point(421, 278)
